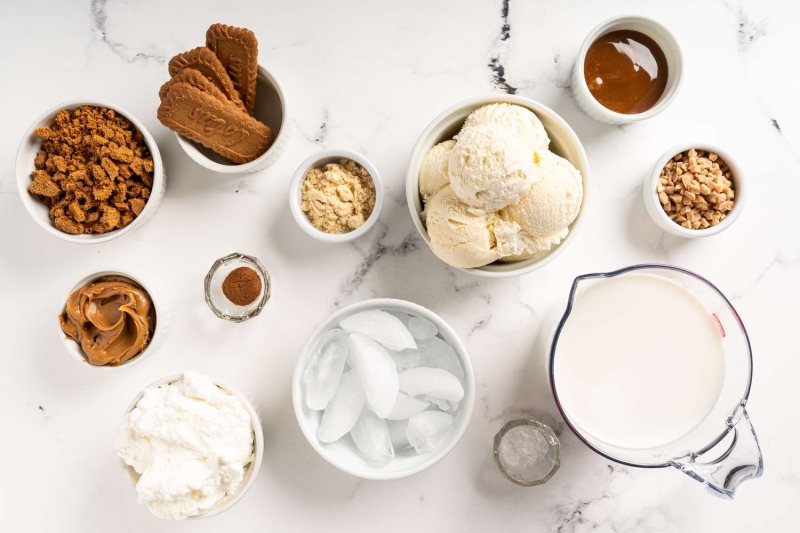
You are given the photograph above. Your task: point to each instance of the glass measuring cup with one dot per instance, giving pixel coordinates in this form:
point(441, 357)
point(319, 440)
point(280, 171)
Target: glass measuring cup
point(721, 451)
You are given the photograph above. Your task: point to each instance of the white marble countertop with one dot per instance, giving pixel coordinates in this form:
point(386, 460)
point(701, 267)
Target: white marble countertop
point(370, 76)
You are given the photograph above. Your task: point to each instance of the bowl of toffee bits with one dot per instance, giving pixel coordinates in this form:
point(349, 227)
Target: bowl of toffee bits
point(89, 172)
point(695, 190)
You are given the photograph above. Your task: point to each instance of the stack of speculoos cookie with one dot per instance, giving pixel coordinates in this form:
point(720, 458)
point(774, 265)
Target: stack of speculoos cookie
point(211, 96)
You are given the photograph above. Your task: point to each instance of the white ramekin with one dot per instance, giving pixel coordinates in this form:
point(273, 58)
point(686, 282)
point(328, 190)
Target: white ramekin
point(563, 141)
point(320, 159)
point(31, 145)
point(271, 109)
point(660, 217)
point(343, 455)
point(251, 471)
point(663, 38)
point(163, 322)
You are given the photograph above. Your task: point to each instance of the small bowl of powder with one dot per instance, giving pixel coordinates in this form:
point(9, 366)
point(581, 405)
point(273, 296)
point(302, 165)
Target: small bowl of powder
point(336, 195)
point(527, 452)
point(237, 287)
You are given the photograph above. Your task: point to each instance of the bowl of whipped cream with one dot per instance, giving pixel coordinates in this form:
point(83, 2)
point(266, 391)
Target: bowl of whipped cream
point(191, 445)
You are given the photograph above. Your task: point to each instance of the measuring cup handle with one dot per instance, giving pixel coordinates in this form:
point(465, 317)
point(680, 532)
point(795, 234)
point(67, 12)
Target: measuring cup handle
point(741, 461)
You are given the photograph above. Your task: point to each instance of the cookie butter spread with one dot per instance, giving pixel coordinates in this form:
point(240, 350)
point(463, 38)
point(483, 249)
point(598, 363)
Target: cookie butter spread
point(111, 318)
point(190, 441)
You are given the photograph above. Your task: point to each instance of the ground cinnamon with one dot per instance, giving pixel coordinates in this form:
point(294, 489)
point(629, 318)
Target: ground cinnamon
point(242, 286)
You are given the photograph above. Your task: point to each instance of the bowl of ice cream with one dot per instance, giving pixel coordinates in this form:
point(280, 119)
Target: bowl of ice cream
point(169, 435)
point(497, 185)
point(111, 320)
point(407, 427)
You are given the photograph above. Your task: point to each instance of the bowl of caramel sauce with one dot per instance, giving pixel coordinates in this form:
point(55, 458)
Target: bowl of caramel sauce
point(629, 69)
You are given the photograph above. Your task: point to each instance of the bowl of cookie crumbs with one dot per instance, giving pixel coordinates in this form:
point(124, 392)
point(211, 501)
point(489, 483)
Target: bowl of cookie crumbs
point(89, 172)
point(695, 190)
point(336, 195)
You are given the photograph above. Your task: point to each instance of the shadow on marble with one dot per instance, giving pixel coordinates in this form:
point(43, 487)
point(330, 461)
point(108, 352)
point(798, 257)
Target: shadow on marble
point(645, 235)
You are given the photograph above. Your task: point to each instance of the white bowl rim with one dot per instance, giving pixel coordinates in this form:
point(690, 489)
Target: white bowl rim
point(258, 442)
point(660, 106)
point(526, 266)
point(74, 349)
point(93, 238)
point(740, 183)
point(198, 157)
point(412, 308)
point(295, 199)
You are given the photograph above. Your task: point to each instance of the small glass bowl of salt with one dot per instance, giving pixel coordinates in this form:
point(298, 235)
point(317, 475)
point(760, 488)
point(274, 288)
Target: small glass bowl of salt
point(527, 452)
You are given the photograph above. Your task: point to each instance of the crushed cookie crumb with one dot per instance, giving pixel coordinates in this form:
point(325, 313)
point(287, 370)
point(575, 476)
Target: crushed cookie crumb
point(94, 170)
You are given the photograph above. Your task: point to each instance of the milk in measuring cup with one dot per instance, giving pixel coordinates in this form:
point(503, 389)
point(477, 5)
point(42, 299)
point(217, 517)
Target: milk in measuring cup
point(639, 362)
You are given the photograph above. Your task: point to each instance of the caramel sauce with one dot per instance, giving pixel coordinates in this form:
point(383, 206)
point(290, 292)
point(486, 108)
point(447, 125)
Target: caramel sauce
point(626, 71)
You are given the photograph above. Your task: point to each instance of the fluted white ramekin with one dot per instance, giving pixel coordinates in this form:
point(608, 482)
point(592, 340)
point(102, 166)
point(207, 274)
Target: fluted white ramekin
point(663, 38)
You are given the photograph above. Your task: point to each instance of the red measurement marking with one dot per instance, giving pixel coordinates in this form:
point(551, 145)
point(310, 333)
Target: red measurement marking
point(719, 325)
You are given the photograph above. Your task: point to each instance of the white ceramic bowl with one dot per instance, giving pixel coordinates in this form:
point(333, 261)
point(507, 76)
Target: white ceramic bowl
point(343, 455)
point(320, 159)
point(663, 38)
point(251, 471)
point(271, 109)
point(660, 217)
point(563, 141)
point(31, 145)
point(163, 322)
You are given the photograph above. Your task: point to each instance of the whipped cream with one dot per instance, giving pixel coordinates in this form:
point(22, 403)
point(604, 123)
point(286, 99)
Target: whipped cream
point(190, 441)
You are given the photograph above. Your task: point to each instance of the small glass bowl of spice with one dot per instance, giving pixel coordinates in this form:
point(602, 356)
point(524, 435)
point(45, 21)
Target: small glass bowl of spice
point(695, 190)
point(336, 195)
point(237, 287)
point(628, 69)
point(527, 452)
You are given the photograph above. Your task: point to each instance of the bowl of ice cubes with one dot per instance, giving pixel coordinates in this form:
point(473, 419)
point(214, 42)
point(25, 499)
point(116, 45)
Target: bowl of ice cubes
point(383, 389)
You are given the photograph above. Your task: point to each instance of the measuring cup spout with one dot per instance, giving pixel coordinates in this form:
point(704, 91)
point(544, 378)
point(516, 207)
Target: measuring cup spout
point(740, 460)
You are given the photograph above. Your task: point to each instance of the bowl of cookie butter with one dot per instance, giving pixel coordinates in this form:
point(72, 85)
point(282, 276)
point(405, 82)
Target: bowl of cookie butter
point(228, 112)
point(89, 172)
point(629, 69)
point(111, 320)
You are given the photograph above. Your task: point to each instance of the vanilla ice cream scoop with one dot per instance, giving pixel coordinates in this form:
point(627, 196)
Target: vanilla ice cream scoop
point(433, 174)
point(522, 123)
point(461, 236)
point(490, 168)
point(553, 203)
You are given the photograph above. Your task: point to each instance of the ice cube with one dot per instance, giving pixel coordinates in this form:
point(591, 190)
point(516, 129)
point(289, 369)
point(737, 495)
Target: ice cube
point(442, 405)
point(377, 371)
point(421, 329)
point(371, 435)
point(427, 429)
point(405, 406)
point(325, 369)
point(442, 355)
point(411, 358)
point(382, 327)
point(344, 408)
point(430, 382)
point(397, 432)
point(404, 317)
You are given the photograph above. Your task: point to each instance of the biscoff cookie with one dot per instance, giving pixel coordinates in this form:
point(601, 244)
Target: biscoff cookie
point(231, 133)
point(94, 171)
point(203, 60)
point(237, 50)
point(197, 80)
